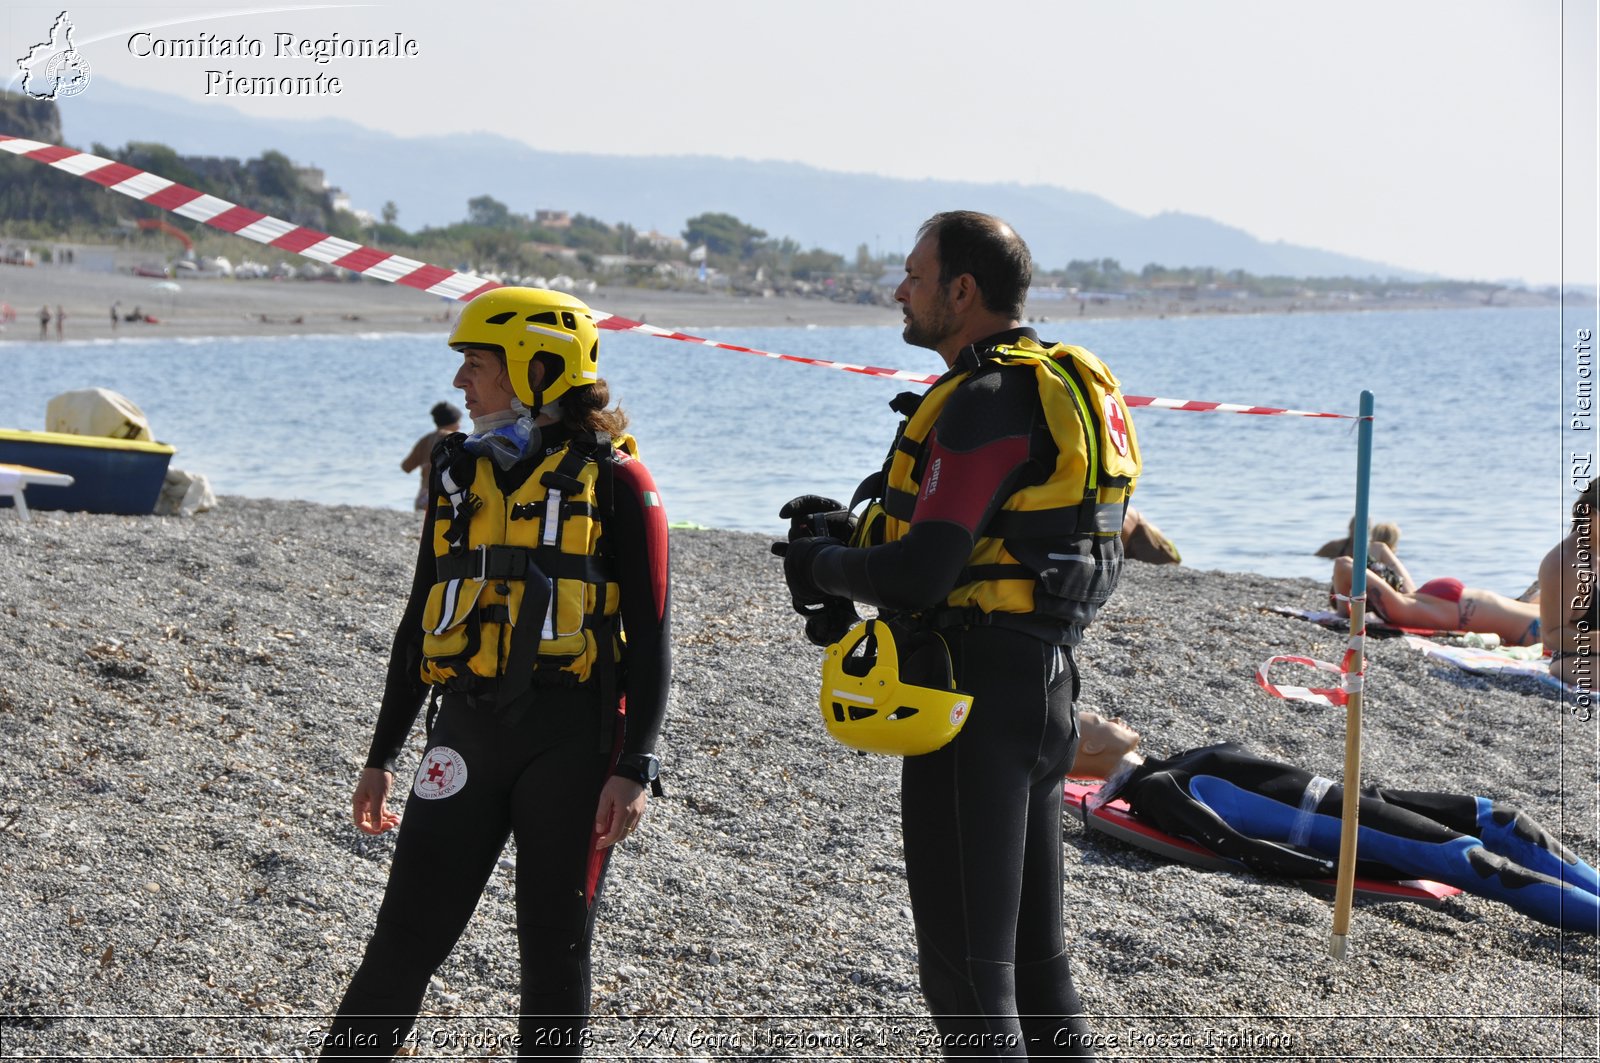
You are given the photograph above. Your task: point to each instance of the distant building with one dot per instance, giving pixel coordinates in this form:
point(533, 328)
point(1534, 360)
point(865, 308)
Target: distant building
point(340, 201)
point(663, 241)
point(552, 219)
point(311, 178)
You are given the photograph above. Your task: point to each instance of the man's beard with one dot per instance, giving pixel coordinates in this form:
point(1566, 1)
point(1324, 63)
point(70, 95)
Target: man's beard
point(932, 330)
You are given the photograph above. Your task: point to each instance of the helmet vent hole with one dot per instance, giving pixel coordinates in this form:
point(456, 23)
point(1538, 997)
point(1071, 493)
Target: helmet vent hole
point(861, 659)
point(569, 320)
point(902, 713)
point(501, 318)
point(838, 712)
point(859, 713)
point(546, 318)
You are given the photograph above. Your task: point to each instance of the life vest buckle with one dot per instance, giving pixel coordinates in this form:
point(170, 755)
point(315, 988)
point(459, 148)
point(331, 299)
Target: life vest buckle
point(486, 562)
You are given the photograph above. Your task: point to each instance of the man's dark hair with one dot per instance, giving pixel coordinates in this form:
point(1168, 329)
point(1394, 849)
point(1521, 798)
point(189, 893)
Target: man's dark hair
point(987, 248)
point(443, 413)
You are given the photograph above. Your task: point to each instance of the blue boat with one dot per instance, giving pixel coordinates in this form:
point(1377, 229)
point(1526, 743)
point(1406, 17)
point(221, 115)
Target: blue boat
point(109, 475)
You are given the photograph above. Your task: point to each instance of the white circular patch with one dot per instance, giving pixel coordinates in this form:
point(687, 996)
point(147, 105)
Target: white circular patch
point(1115, 425)
point(958, 713)
point(442, 772)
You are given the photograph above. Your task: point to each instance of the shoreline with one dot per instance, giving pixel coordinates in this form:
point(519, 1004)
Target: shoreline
point(216, 307)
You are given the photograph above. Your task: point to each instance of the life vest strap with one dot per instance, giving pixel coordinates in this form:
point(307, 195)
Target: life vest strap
point(899, 504)
point(1088, 517)
point(1046, 629)
point(557, 480)
point(869, 488)
point(487, 562)
point(522, 562)
point(987, 573)
point(590, 568)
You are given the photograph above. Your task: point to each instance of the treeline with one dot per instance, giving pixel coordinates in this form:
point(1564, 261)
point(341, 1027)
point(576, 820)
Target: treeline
point(42, 203)
point(1107, 276)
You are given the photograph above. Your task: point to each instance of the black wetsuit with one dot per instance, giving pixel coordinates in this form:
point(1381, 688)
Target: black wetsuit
point(534, 772)
point(982, 816)
point(1280, 820)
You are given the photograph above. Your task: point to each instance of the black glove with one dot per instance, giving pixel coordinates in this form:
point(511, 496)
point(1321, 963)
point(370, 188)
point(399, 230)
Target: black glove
point(829, 623)
point(815, 515)
point(828, 616)
point(797, 555)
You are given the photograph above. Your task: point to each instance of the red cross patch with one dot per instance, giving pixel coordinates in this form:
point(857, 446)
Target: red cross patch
point(442, 772)
point(1116, 425)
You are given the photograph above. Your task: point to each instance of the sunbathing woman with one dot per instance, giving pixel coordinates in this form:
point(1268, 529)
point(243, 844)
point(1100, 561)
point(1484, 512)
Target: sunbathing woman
point(1439, 604)
point(1569, 607)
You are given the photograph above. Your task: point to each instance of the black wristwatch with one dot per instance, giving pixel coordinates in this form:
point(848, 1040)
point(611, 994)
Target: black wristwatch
point(642, 768)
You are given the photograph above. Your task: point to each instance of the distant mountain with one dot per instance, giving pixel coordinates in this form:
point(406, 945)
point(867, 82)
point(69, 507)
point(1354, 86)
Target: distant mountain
point(430, 179)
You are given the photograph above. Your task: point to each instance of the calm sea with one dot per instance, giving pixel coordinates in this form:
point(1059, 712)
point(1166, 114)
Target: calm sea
point(1471, 458)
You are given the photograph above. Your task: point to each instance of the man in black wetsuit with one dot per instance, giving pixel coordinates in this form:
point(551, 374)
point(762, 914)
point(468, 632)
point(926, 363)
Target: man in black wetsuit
point(1002, 505)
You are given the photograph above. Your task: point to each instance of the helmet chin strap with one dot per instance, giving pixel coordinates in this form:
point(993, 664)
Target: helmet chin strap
point(549, 413)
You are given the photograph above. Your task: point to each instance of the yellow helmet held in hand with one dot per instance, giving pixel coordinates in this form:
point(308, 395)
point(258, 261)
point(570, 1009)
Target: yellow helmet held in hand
point(869, 703)
point(524, 323)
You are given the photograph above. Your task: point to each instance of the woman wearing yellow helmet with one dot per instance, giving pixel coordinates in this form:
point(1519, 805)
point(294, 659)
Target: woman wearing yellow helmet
point(542, 570)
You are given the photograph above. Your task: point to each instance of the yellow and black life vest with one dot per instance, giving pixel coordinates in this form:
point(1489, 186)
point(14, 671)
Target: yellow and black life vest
point(524, 591)
point(1054, 550)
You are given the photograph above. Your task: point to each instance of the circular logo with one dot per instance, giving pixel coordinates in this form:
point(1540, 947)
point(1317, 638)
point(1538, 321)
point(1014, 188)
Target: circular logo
point(1116, 424)
point(958, 713)
point(68, 71)
point(442, 772)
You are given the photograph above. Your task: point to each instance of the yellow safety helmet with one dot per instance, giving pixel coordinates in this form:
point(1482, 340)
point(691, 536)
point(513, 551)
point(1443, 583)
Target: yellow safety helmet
point(867, 703)
point(523, 323)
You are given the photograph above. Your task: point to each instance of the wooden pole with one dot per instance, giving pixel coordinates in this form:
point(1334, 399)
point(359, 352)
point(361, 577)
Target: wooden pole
point(1355, 666)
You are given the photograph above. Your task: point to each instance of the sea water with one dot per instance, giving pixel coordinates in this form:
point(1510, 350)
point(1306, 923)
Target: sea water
point(1469, 456)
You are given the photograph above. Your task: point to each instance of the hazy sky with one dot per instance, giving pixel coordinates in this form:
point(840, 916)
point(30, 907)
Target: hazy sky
point(1423, 133)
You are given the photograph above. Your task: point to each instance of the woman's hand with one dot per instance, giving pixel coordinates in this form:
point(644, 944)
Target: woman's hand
point(621, 808)
point(369, 807)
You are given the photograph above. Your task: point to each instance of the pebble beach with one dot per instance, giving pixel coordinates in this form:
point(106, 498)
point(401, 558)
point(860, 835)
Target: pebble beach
point(185, 704)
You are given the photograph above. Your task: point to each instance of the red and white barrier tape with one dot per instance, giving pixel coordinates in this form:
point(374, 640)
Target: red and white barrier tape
point(1351, 670)
point(1315, 695)
point(454, 284)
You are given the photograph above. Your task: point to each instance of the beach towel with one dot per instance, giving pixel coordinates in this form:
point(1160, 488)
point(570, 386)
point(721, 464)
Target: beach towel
point(1375, 627)
point(1115, 819)
point(1500, 660)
